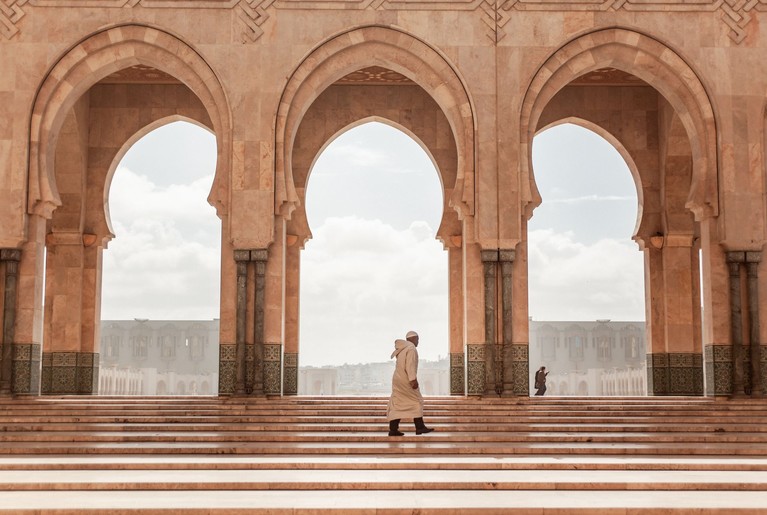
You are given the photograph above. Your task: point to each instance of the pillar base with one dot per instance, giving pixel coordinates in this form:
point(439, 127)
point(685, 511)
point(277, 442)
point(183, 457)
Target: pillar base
point(718, 370)
point(290, 374)
point(25, 372)
point(675, 373)
point(227, 368)
point(70, 373)
point(516, 370)
point(457, 374)
point(273, 369)
point(475, 369)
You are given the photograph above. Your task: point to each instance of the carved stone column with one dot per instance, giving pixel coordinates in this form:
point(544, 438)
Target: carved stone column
point(241, 257)
point(509, 370)
point(259, 257)
point(249, 350)
point(9, 262)
point(489, 263)
point(756, 355)
point(734, 261)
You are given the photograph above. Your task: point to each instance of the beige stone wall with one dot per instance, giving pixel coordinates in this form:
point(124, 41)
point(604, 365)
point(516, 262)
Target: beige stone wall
point(493, 73)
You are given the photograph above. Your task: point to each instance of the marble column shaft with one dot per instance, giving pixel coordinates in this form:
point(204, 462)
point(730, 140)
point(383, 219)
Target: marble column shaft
point(241, 257)
point(506, 258)
point(251, 267)
point(489, 263)
point(747, 374)
point(757, 381)
point(9, 258)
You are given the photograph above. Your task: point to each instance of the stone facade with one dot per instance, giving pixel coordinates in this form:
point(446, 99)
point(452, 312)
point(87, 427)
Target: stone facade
point(677, 87)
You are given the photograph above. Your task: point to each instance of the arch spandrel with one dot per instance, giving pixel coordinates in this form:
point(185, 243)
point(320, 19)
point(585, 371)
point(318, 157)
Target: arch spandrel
point(93, 59)
point(652, 62)
point(374, 46)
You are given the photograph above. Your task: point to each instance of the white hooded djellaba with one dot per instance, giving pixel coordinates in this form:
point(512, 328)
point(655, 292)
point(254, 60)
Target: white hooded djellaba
point(405, 401)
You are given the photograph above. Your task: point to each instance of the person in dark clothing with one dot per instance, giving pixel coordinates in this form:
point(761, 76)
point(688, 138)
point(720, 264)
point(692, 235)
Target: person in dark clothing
point(540, 381)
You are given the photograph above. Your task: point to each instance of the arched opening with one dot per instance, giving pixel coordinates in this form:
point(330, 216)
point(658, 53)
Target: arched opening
point(373, 269)
point(161, 272)
point(648, 97)
point(586, 276)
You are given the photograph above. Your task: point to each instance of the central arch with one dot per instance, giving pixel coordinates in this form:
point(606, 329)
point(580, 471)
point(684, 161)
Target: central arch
point(392, 49)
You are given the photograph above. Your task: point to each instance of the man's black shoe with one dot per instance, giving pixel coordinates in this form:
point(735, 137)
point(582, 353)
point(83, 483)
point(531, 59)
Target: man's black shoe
point(424, 430)
point(396, 433)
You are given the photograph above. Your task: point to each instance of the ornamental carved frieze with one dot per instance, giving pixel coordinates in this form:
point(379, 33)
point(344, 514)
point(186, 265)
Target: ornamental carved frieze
point(495, 14)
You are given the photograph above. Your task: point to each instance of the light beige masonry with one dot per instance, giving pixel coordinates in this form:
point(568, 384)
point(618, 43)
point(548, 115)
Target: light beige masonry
point(679, 89)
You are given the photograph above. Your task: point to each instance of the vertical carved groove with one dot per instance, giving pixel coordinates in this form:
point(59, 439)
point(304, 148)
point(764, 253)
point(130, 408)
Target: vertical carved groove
point(736, 322)
point(241, 257)
point(489, 260)
point(260, 257)
point(757, 388)
point(507, 311)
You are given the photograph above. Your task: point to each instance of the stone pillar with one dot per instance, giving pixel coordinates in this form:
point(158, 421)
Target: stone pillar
point(69, 363)
point(9, 266)
point(757, 353)
point(250, 347)
point(241, 257)
point(684, 349)
point(675, 363)
point(734, 261)
point(474, 316)
point(655, 328)
point(747, 354)
point(509, 369)
point(455, 310)
point(27, 348)
point(259, 257)
point(489, 265)
point(292, 318)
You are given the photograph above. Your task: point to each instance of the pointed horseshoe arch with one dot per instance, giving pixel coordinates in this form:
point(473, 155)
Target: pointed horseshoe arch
point(655, 64)
point(98, 56)
point(375, 46)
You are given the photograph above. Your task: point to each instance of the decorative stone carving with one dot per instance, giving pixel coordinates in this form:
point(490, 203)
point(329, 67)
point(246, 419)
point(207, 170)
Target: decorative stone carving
point(457, 375)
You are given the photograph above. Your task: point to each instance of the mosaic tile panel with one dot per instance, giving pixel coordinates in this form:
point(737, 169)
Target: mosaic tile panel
point(227, 352)
point(291, 359)
point(290, 373)
point(25, 368)
point(72, 373)
point(273, 368)
point(226, 377)
point(272, 378)
point(457, 374)
point(475, 352)
point(521, 372)
point(476, 378)
point(718, 369)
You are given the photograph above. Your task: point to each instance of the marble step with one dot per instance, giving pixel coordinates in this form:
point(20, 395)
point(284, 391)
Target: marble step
point(369, 462)
point(122, 480)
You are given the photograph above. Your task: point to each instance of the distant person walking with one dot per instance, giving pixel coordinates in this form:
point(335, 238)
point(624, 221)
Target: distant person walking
point(540, 381)
point(406, 400)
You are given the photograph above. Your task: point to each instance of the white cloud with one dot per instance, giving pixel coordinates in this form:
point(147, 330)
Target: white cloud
point(363, 284)
point(164, 260)
point(575, 281)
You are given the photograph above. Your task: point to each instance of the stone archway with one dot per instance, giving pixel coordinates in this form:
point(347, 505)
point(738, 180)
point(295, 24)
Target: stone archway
point(70, 220)
point(439, 85)
point(679, 184)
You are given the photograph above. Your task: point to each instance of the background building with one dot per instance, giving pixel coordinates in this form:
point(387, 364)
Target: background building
point(590, 358)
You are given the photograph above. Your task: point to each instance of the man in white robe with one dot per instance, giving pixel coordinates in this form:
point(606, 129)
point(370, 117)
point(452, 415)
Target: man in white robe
point(406, 400)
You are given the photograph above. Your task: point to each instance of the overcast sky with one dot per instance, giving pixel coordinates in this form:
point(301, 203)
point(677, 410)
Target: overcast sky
point(373, 269)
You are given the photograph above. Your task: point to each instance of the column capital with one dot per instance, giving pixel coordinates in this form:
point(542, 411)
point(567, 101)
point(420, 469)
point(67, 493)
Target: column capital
point(736, 256)
point(10, 254)
point(489, 256)
point(505, 255)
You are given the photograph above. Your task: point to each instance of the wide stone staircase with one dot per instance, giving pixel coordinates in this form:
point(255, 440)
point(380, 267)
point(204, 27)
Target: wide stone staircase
point(310, 454)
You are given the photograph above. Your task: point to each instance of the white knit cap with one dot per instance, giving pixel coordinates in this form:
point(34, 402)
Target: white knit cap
point(410, 334)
